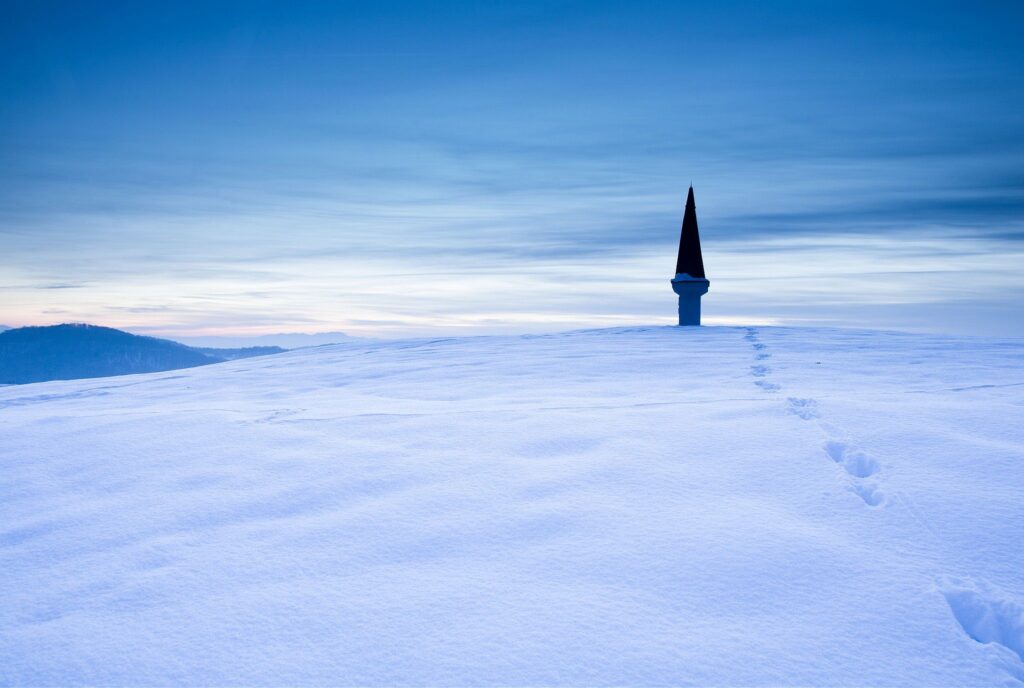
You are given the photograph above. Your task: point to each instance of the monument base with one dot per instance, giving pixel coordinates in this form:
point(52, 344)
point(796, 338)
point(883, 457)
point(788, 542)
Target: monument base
point(689, 289)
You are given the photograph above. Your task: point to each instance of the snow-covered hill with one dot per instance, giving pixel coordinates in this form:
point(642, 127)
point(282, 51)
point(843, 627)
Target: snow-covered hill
point(74, 351)
point(628, 506)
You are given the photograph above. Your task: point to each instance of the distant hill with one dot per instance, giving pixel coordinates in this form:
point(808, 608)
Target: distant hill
point(72, 351)
point(243, 352)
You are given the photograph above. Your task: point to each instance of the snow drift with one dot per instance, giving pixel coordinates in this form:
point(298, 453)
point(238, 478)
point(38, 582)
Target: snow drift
point(627, 506)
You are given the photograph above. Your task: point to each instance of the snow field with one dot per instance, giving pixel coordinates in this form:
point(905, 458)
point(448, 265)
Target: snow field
point(756, 506)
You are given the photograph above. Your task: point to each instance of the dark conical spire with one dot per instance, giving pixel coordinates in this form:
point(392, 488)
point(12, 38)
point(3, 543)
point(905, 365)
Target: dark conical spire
point(690, 261)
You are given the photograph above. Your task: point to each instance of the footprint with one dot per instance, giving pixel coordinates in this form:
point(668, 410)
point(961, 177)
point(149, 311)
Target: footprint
point(985, 614)
point(759, 346)
point(805, 408)
point(835, 450)
point(855, 462)
point(860, 465)
point(869, 493)
point(759, 370)
point(762, 356)
point(767, 386)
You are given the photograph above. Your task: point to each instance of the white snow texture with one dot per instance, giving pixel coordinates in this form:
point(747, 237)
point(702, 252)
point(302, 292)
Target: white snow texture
point(645, 506)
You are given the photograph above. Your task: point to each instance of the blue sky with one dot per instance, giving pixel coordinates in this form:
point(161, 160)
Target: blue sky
point(393, 168)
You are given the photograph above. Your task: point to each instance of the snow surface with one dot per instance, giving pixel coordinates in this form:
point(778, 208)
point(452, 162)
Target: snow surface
point(285, 340)
point(628, 506)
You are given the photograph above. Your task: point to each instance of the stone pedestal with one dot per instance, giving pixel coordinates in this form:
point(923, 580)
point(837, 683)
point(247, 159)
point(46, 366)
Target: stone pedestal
point(690, 289)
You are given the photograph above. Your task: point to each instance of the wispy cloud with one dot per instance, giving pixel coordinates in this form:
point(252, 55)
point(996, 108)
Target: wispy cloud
point(210, 175)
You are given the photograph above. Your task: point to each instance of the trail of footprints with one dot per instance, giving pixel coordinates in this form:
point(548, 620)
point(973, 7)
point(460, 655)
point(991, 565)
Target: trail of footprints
point(860, 469)
point(984, 613)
